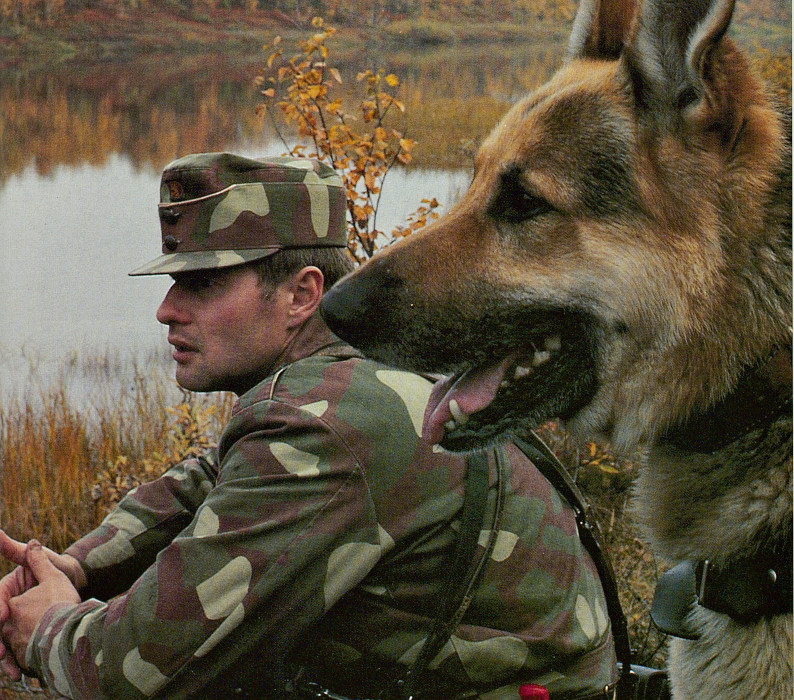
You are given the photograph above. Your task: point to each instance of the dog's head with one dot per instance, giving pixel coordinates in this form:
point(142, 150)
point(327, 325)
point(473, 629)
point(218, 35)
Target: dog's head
point(597, 268)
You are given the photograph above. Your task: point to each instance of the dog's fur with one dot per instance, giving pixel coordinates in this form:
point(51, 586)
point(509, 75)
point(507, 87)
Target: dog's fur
point(631, 220)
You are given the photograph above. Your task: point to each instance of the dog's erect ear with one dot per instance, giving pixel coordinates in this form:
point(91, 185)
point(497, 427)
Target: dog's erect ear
point(671, 58)
point(601, 28)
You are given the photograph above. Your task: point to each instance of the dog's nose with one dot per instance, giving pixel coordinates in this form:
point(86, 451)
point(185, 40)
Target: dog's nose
point(341, 308)
point(357, 307)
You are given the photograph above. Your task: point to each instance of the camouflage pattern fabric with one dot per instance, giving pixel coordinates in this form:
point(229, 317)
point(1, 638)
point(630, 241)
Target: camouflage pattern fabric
point(321, 530)
point(221, 209)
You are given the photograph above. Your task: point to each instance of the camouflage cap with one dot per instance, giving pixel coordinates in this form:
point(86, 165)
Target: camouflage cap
point(220, 209)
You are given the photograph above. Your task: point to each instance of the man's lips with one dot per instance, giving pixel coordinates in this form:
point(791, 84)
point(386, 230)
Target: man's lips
point(183, 349)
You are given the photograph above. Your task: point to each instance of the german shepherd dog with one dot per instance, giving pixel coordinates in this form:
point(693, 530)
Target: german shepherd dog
point(622, 261)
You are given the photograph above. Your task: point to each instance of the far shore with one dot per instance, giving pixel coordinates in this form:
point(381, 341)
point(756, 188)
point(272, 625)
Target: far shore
point(98, 34)
point(101, 34)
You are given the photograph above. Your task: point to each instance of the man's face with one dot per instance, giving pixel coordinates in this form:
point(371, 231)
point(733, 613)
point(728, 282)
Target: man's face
point(227, 331)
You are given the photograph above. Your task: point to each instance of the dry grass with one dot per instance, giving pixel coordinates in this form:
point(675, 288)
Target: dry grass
point(72, 446)
point(67, 454)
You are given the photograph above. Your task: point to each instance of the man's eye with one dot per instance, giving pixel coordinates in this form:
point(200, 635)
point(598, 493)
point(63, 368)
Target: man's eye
point(197, 283)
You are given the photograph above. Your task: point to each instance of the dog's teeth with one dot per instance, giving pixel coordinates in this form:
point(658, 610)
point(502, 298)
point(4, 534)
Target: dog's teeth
point(449, 426)
point(457, 413)
point(540, 357)
point(522, 371)
point(504, 384)
point(552, 344)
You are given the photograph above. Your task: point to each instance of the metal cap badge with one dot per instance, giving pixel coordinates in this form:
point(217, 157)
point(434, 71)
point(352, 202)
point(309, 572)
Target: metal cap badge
point(221, 209)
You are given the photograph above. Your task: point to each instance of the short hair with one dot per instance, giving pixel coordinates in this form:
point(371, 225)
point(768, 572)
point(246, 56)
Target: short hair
point(334, 263)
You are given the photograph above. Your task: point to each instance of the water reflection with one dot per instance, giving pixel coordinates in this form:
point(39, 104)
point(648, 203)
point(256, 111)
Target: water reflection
point(153, 109)
point(149, 110)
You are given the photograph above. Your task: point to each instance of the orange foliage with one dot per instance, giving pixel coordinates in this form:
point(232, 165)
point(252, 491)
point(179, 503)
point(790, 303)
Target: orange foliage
point(304, 91)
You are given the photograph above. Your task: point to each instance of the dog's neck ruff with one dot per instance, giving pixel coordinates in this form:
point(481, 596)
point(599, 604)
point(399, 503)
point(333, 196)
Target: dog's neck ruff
point(746, 588)
point(762, 395)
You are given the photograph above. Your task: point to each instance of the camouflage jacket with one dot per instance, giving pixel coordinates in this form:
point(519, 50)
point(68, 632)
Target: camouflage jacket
point(318, 533)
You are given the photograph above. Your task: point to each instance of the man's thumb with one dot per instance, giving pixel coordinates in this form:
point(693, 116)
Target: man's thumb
point(11, 549)
point(37, 561)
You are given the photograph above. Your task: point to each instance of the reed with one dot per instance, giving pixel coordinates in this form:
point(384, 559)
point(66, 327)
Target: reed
point(71, 449)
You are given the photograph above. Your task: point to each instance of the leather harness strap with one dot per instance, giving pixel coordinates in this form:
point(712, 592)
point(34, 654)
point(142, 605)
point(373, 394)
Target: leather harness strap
point(465, 569)
point(462, 585)
point(547, 463)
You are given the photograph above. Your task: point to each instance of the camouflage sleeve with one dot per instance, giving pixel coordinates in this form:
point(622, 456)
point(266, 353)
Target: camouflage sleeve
point(276, 542)
point(127, 541)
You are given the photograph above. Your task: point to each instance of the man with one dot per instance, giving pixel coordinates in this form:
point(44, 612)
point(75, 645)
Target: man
point(311, 551)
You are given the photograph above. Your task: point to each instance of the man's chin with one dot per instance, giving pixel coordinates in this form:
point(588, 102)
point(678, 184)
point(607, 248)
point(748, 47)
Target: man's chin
point(203, 386)
point(189, 382)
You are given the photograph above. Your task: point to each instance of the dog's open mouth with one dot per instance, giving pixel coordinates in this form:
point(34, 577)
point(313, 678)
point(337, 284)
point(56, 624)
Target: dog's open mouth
point(512, 365)
point(554, 376)
point(455, 399)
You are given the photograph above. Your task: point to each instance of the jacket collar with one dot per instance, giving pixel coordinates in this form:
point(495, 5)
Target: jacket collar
point(312, 337)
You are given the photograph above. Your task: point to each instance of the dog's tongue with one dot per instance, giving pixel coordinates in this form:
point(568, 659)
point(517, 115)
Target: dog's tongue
point(473, 391)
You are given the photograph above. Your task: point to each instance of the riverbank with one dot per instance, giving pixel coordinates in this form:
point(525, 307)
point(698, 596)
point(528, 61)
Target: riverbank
point(104, 34)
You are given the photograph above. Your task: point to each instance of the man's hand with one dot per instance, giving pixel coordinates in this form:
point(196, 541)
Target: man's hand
point(27, 593)
point(14, 584)
point(14, 551)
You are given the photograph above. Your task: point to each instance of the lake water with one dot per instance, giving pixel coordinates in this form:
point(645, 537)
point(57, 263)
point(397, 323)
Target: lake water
point(81, 151)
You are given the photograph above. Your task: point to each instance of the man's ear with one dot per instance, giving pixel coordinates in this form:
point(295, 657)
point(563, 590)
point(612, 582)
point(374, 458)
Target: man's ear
point(307, 291)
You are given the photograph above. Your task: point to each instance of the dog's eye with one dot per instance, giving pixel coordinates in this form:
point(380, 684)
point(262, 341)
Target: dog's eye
point(514, 204)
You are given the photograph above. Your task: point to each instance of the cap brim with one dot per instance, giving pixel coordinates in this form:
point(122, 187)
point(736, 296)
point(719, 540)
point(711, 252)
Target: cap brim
point(201, 260)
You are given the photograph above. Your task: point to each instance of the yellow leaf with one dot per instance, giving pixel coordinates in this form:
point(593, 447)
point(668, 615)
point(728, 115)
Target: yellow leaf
point(608, 470)
point(335, 75)
point(392, 80)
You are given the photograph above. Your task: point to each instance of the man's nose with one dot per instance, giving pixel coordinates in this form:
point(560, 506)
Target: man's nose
point(172, 308)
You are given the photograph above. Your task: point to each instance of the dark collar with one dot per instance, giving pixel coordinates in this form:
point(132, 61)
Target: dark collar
point(762, 395)
point(747, 589)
